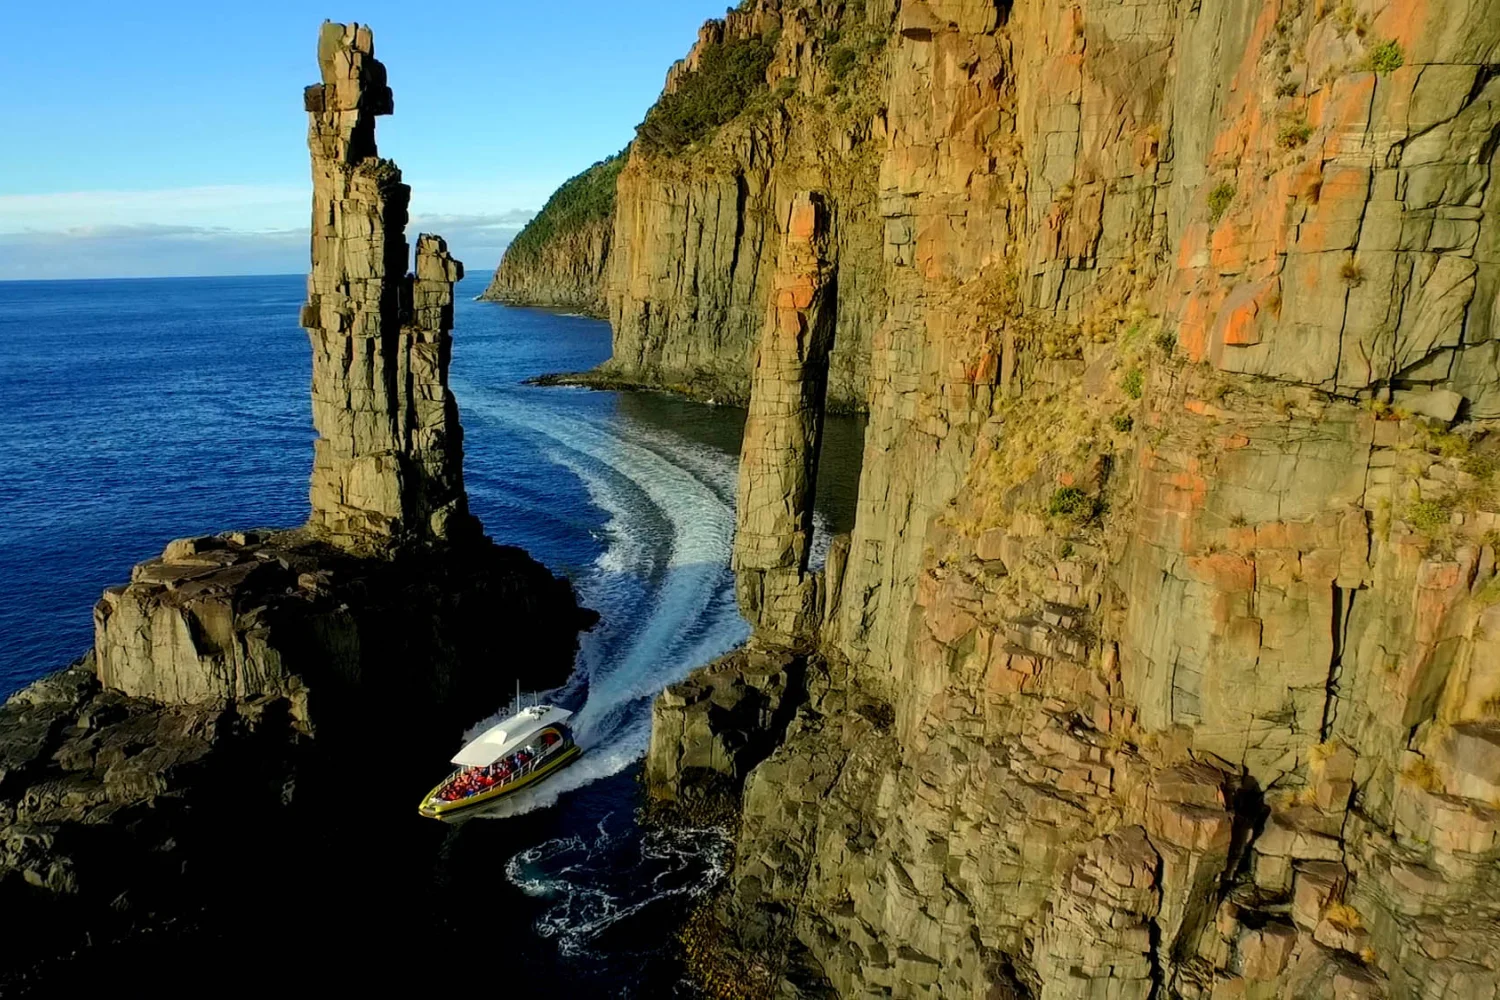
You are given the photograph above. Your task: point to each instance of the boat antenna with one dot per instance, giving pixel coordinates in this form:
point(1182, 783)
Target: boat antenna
point(518, 694)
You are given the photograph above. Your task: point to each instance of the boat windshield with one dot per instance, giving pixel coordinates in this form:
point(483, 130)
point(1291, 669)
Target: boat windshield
point(471, 781)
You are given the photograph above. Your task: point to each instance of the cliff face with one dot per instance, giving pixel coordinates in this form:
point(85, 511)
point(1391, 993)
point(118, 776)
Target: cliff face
point(1161, 659)
point(696, 228)
point(560, 259)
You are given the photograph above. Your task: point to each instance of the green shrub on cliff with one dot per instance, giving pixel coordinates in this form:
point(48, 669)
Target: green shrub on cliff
point(1071, 503)
point(586, 198)
point(1429, 516)
point(1218, 201)
point(1386, 57)
point(841, 61)
point(728, 75)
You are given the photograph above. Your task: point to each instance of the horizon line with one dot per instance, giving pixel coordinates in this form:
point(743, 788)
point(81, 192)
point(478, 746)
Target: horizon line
point(187, 277)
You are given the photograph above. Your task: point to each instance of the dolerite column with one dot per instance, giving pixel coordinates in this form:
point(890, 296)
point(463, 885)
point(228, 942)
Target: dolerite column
point(387, 464)
point(434, 437)
point(778, 461)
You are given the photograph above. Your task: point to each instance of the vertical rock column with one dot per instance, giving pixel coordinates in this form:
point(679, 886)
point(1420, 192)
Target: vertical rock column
point(432, 434)
point(387, 465)
point(778, 462)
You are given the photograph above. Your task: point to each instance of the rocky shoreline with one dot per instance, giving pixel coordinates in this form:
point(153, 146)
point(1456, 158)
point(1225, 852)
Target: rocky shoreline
point(567, 276)
point(703, 389)
point(252, 697)
point(560, 259)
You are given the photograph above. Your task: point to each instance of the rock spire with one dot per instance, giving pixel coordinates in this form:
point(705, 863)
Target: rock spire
point(388, 462)
point(778, 464)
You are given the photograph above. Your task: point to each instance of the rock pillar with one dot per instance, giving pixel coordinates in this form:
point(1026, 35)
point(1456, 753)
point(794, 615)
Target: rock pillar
point(778, 462)
point(388, 462)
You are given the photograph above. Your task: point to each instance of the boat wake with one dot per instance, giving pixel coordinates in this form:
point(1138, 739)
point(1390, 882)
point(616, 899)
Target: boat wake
point(660, 580)
point(591, 885)
point(661, 584)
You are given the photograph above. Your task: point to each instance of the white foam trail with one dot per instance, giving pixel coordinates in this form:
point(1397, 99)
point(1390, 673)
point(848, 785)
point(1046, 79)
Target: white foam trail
point(662, 585)
point(817, 554)
point(669, 863)
point(625, 551)
point(708, 466)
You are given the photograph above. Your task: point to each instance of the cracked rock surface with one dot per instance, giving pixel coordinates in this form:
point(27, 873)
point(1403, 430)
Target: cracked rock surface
point(1161, 660)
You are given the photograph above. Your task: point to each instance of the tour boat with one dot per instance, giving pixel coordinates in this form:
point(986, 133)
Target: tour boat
point(515, 754)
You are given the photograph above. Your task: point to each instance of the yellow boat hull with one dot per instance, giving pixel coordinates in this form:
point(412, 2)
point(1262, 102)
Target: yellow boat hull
point(435, 808)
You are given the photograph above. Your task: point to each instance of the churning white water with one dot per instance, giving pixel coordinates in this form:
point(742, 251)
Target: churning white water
point(575, 872)
point(662, 584)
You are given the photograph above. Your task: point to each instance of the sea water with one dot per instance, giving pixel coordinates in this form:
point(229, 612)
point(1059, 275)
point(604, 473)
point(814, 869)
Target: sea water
point(136, 411)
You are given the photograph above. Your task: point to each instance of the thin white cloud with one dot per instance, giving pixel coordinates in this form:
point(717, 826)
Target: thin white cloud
point(149, 251)
point(163, 249)
point(245, 207)
point(211, 229)
point(106, 233)
point(513, 219)
point(477, 240)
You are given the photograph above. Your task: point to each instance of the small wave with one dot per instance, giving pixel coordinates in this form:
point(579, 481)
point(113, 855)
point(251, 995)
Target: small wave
point(625, 550)
point(594, 885)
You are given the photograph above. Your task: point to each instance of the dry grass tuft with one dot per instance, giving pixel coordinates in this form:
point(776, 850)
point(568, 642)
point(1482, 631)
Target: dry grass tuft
point(1343, 916)
point(1294, 133)
point(1421, 773)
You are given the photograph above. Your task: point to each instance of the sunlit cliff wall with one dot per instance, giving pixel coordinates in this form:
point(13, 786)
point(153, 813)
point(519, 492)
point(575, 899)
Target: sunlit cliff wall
point(1163, 657)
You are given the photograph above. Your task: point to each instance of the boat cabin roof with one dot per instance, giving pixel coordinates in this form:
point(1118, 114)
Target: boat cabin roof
point(510, 735)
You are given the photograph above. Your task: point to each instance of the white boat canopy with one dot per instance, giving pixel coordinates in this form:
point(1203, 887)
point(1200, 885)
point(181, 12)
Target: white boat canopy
point(510, 735)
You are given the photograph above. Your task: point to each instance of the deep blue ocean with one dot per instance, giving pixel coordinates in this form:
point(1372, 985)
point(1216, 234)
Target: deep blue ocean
point(133, 412)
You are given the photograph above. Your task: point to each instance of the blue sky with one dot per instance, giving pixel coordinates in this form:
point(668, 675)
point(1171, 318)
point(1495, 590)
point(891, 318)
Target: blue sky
point(164, 138)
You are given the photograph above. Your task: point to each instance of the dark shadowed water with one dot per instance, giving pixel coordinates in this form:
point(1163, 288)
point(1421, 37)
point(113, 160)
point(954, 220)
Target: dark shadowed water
point(134, 412)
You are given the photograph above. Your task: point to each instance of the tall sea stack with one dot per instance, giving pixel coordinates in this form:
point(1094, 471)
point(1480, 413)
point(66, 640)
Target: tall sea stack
point(387, 495)
point(779, 460)
point(388, 462)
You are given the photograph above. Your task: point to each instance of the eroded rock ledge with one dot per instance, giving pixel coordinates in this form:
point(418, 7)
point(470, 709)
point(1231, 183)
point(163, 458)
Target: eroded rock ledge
point(232, 683)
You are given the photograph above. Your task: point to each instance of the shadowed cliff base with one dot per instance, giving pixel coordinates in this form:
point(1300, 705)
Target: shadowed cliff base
point(129, 816)
point(702, 387)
